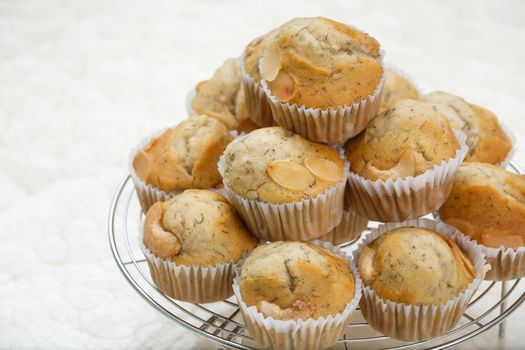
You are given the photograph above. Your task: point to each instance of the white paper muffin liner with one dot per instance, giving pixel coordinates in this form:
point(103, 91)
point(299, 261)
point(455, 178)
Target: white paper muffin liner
point(194, 284)
point(256, 101)
point(409, 197)
point(335, 125)
point(295, 221)
point(505, 163)
point(348, 230)
point(149, 194)
point(506, 264)
point(298, 334)
point(420, 322)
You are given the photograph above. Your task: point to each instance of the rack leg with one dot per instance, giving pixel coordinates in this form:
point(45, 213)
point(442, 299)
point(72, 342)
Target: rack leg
point(503, 326)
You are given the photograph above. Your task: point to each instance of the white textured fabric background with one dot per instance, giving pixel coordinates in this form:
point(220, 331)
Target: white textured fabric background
point(81, 82)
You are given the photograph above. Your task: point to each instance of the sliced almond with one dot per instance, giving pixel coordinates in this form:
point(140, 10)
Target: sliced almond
point(492, 237)
point(271, 62)
point(323, 169)
point(283, 87)
point(290, 175)
point(406, 166)
point(142, 164)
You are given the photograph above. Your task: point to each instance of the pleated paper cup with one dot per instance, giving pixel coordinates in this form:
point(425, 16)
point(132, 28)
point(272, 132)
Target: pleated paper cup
point(146, 193)
point(332, 125)
point(295, 221)
point(507, 264)
point(298, 334)
point(409, 197)
point(194, 284)
point(256, 102)
point(420, 322)
point(349, 229)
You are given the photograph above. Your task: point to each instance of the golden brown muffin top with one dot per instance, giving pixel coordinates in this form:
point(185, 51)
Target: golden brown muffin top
point(184, 156)
point(296, 280)
point(406, 140)
point(276, 166)
point(486, 140)
point(196, 227)
point(415, 266)
point(317, 62)
point(488, 204)
point(396, 88)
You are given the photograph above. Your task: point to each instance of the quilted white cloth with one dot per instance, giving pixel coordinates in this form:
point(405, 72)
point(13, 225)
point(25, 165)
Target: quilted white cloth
point(81, 82)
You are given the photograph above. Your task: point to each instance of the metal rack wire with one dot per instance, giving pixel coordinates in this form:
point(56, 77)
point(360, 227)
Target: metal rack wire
point(222, 323)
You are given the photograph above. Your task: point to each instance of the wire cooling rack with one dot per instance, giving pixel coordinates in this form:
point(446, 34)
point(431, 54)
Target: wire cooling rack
point(221, 321)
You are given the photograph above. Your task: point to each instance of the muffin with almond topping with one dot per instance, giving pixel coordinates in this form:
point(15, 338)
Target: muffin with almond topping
point(309, 65)
point(192, 244)
point(285, 187)
point(179, 158)
point(285, 282)
point(486, 139)
point(403, 164)
point(487, 203)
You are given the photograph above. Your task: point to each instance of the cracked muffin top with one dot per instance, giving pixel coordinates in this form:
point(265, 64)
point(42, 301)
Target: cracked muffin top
point(396, 88)
point(296, 280)
point(406, 140)
point(415, 266)
point(222, 97)
point(196, 227)
point(276, 166)
point(488, 204)
point(184, 156)
point(486, 140)
point(316, 62)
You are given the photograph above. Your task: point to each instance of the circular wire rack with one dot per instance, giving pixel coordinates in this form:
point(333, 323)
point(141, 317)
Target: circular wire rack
point(222, 323)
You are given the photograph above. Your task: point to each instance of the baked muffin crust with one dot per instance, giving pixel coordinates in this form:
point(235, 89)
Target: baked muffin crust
point(184, 156)
point(406, 140)
point(317, 62)
point(396, 88)
point(486, 140)
point(276, 166)
point(217, 97)
point(415, 266)
point(196, 227)
point(296, 280)
point(488, 204)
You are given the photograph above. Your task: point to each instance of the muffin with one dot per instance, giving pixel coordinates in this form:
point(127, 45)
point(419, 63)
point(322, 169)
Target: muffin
point(309, 65)
point(486, 140)
point(396, 88)
point(283, 282)
point(284, 187)
point(415, 266)
point(487, 203)
point(222, 97)
point(418, 278)
point(179, 158)
point(192, 244)
point(397, 173)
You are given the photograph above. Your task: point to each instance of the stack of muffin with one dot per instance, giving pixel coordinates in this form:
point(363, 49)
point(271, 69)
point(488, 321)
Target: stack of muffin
point(288, 152)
